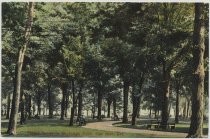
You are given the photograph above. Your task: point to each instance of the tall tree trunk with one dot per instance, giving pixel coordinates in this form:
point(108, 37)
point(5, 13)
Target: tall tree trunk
point(93, 107)
point(29, 107)
point(80, 102)
point(16, 95)
point(136, 100)
point(125, 100)
point(165, 97)
point(109, 102)
point(73, 105)
point(22, 108)
point(114, 107)
point(39, 104)
point(196, 125)
point(150, 111)
point(8, 105)
point(63, 103)
point(188, 107)
point(67, 103)
point(177, 101)
point(50, 100)
point(99, 104)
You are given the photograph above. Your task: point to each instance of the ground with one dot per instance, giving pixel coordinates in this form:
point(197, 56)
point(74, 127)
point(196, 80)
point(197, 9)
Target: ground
point(57, 128)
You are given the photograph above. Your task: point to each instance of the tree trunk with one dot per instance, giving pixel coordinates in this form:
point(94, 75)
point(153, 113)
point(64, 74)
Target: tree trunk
point(196, 126)
point(150, 111)
point(99, 104)
point(80, 102)
point(8, 105)
point(188, 107)
point(125, 101)
point(29, 106)
point(39, 104)
point(73, 105)
point(165, 97)
point(22, 109)
point(67, 103)
point(135, 110)
point(114, 107)
point(109, 102)
point(93, 107)
point(16, 95)
point(177, 102)
point(63, 103)
point(50, 100)
point(137, 100)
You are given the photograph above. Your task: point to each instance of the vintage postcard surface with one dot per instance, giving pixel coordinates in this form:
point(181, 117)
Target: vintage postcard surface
point(104, 69)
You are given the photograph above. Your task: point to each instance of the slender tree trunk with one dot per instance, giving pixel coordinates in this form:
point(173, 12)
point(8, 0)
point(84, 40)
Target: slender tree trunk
point(93, 107)
point(63, 103)
point(185, 112)
point(188, 107)
point(29, 106)
point(139, 109)
point(50, 100)
point(73, 105)
point(109, 102)
point(177, 102)
point(22, 109)
point(99, 104)
point(67, 103)
point(196, 125)
point(16, 95)
point(114, 106)
point(80, 102)
point(39, 104)
point(8, 105)
point(150, 111)
point(125, 100)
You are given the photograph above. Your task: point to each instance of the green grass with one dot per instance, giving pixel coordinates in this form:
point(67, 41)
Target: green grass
point(181, 127)
point(57, 128)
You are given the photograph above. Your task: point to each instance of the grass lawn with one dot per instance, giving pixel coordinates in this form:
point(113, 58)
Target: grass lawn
point(57, 128)
point(182, 127)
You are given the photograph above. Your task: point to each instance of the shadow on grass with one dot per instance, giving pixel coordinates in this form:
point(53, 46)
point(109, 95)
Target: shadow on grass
point(180, 128)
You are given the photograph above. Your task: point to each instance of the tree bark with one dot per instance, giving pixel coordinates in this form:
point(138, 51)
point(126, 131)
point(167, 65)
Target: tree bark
point(8, 105)
point(188, 107)
point(165, 97)
point(177, 102)
point(29, 107)
point(125, 100)
point(67, 103)
point(39, 103)
point(196, 125)
point(114, 107)
point(63, 103)
point(80, 102)
point(137, 100)
point(16, 95)
point(99, 104)
point(50, 106)
point(22, 109)
point(71, 122)
point(109, 102)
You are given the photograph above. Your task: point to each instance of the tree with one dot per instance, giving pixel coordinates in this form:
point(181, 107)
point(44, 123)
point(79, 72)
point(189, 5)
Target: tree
point(16, 96)
point(196, 125)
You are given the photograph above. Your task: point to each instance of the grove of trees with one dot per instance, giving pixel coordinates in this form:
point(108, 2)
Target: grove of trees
point(77, 57)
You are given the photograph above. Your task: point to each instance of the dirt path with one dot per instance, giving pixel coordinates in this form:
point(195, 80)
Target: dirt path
point(107, 126)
